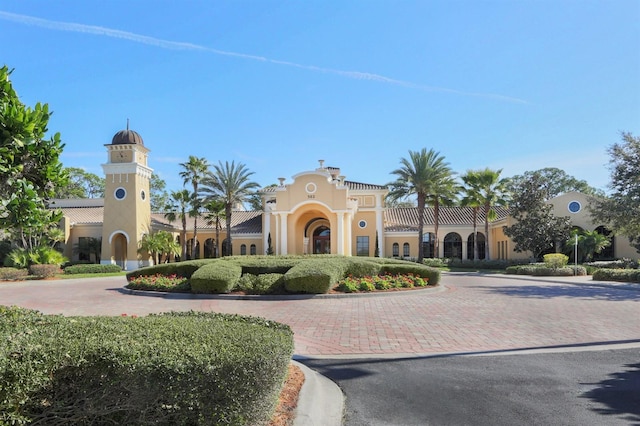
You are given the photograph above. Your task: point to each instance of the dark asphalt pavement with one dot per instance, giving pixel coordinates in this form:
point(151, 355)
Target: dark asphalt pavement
point(571, 388)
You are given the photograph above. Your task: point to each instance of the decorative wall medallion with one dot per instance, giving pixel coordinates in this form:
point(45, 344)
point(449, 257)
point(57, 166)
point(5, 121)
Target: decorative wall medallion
point(574, 206)
point(311, 188)
point(120, 193)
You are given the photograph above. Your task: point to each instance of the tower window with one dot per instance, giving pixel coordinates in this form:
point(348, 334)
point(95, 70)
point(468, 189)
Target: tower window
point(120, 193)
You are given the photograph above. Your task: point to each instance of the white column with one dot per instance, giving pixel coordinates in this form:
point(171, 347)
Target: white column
point(340, 234)
point(265, 232)
point(347, 234)
point(277, 239)
point(283, 233)
point(379, 224)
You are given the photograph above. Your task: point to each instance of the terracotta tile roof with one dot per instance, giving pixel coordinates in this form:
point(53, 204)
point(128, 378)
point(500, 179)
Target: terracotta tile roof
point(242, 222)
point(84, 215)
point(358, 186)
point(406, 219)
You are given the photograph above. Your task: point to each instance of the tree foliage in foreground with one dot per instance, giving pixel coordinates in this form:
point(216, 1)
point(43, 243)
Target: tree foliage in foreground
point(30, 168)
point(552, 182)
point(536, 228)
point(621, 210)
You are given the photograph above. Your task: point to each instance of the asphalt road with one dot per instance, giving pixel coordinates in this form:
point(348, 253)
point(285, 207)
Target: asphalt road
point(570, 388)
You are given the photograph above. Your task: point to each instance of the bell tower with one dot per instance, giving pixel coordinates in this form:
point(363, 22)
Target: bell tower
point(127, 208)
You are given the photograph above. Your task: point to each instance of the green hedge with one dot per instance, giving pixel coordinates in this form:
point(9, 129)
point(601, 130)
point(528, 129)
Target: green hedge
point(315, 275)
point(183, 269)
point(257, 265)
point(357, 267)
point(545, 271)
point(432, 274)
point(91, 268)
point(168, 369)
point(620, 275)
point(44, 270)
point(216, 277)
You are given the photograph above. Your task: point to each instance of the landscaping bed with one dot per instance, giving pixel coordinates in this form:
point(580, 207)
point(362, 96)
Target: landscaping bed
point(283, 275)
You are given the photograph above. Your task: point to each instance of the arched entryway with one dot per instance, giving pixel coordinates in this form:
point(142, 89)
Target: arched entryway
point(119, 250)
point(321, 240)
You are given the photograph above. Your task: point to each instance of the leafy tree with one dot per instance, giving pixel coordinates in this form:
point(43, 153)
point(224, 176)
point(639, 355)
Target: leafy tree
point(194, 171)
point(158, 193)
point(82, 184)
point(553, 182)
point(178, 208)
point(488, 191)
point(427, 176)
point(214, 215)
point(536, 229)
point(621, 209)
point(231, 183)
point(30, 168)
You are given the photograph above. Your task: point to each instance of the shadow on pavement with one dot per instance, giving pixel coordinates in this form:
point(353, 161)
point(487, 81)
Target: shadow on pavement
point(619, 394)
point(566, 290)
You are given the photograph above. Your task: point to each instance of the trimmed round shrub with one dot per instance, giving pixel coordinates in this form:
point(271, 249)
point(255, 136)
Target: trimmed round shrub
point(45, 271)
point(315, 276)
point(216, 277)
point(186, 368)
point(555, 260)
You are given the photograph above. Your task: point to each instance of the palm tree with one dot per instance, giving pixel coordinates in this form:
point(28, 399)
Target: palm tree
point(159, 244)
point(491, 190)
point(472, 199)
point(426, 175)
point(178, 208)
point(229, 183)
point(215, 213)
point(194, 171)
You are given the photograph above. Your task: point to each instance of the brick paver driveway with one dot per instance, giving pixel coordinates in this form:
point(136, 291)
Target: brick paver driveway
point(469, 313)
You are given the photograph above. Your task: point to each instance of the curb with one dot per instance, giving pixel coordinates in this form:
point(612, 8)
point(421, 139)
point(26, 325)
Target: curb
point(321, 401)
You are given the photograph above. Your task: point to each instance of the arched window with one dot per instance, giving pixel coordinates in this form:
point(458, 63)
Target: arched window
point(396, 250)
point(209, 248)
point(243, 249)
point(453, 246)
point(191, 255)
point(252, 249)
point(481, 248)
point(405, 250)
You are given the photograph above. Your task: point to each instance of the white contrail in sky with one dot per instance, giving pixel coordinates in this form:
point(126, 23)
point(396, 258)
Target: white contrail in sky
point(176, 45)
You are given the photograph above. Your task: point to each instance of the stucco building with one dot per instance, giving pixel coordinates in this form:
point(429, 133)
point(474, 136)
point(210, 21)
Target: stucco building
point(316, 211)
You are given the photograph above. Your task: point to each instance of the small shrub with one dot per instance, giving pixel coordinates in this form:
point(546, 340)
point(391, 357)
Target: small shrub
point(555, 260)
point(44, 271)
point(435, 262)
point(379, 282)
point(261, 284)
point(431, 274)
point(91, 268)
point(13, 274)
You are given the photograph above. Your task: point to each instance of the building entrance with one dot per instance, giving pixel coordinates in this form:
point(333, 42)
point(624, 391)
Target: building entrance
point(322, 240)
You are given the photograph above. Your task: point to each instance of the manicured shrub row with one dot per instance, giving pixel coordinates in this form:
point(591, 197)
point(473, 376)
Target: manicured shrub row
point(615, 264)
point(479, 263)
point(380, 282)
point(159, 282)
point(270, 274)
point(91, 268)
point(168, 369)
point(541, 270)
point(620, 275)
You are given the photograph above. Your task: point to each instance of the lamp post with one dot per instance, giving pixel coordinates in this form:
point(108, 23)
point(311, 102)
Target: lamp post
point(575, 256)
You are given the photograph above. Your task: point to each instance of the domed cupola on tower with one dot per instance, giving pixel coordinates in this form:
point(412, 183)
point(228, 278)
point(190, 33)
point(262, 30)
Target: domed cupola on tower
point(127, 210)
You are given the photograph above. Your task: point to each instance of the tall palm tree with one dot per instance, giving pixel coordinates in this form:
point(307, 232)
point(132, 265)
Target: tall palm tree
point(194, 171)
point(425, 174)
point(214, 215)
point(472, 198)
point(492, 191)
point(230, 183)
point(179, 208)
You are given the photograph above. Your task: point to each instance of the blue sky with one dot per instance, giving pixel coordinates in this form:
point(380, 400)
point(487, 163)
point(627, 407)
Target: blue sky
point(277, 85)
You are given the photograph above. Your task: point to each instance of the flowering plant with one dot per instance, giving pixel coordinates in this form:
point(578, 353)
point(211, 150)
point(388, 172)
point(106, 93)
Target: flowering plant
point(159, 282)
point(352, 284)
